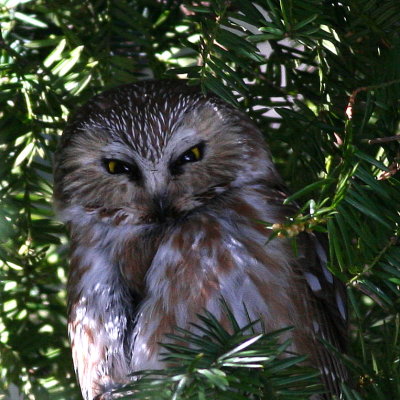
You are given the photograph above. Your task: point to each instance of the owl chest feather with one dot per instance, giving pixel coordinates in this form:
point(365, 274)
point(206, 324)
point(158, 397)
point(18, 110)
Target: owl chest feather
point(127, 297)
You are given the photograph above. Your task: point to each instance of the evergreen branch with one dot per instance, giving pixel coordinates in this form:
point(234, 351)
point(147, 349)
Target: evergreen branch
point(368, 268)
point(220, 369)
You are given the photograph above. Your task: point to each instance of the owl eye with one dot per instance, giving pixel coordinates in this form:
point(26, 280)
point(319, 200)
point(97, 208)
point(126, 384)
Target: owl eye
point(115, 167)
point(194, 154)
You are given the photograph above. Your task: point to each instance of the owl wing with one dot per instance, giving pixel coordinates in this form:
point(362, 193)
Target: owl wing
point(326, 293)
point(328, 309)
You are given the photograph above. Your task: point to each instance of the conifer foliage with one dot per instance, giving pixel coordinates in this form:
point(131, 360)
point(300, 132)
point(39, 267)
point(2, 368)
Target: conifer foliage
point(322, 80)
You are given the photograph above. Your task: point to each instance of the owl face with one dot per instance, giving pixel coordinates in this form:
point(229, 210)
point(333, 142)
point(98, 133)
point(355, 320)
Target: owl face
point(143, 154)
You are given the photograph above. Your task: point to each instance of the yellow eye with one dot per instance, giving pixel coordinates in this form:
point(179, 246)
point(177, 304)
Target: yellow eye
point(192, 155)
point(196, 152)
point(189, 156)
point(111, 165)
point(114, 166)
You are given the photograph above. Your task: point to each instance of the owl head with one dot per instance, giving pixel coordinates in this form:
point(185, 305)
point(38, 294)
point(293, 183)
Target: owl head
point(155, 151)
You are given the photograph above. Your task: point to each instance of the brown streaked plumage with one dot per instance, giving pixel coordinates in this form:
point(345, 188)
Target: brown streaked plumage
point(161, 188)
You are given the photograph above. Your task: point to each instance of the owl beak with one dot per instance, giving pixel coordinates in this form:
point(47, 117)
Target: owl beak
point(161, 206)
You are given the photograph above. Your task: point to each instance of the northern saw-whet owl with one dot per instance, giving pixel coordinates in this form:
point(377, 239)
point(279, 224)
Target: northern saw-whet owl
point(163, 189)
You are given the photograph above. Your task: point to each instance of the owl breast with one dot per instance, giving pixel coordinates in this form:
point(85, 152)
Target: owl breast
point(121, 305)
point(201, 263)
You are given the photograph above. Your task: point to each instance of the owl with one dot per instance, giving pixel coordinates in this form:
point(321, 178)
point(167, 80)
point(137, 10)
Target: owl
point(163, 188)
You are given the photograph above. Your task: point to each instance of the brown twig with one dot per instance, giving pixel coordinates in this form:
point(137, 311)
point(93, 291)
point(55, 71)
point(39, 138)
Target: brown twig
point(393, 169)
point(352, 98)
point(382, 140)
